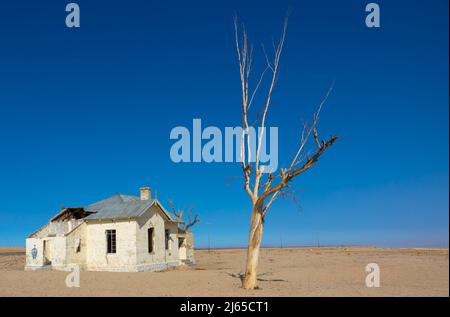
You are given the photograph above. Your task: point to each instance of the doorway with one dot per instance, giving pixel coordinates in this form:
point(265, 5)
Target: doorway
point(47, 252)
point(182, 248)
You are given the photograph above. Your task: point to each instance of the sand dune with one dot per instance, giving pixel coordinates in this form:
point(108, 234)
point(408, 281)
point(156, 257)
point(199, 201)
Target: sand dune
point(283, 272)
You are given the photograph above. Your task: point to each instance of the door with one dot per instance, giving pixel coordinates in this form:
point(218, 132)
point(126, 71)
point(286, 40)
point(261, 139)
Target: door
point(47, 252)
point(182, 248)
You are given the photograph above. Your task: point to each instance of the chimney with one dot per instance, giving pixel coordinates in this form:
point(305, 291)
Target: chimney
point(145, 193)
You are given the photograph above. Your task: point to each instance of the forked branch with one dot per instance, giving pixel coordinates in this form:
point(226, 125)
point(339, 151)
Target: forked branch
point(190, 221)
point(258, 191)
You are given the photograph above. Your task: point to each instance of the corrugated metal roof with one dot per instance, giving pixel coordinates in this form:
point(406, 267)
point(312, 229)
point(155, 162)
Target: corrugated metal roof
point(123, 206)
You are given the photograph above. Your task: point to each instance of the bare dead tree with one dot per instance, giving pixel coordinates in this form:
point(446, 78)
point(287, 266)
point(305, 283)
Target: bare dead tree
point(264, 188)
point(189, 221)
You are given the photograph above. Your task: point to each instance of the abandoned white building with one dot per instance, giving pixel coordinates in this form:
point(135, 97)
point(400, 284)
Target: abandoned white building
point(121, 233)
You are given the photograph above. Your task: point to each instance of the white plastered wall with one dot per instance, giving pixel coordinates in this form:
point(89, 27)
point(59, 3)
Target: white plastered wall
point(38, 262)
point(74, 238)
point(125, 257)
point(156, 219)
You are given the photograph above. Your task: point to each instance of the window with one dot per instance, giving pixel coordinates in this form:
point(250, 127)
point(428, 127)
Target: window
point(78, 245)
point(167, 239)
point(150, 240)
point(110, 241)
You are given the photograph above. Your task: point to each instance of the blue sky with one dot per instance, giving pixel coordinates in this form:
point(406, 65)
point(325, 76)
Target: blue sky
point(86, 113)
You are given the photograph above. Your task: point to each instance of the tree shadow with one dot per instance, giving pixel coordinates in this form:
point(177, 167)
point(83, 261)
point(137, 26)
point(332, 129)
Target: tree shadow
point(241, 277)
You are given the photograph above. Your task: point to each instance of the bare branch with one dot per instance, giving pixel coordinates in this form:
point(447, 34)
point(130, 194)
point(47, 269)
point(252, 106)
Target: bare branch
point(191, 222)
point(257, 86)
point(312, 129)
point(286, 178)
point(244, 70)
point(267, 58)
point(271, 200)
point(172, 206)
point(276, 62)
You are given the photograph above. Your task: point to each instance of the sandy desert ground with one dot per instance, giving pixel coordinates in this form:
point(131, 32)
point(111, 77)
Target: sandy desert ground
point(283, 272)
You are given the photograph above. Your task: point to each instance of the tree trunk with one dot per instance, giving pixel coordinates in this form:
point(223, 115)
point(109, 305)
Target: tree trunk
point(254, 243)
